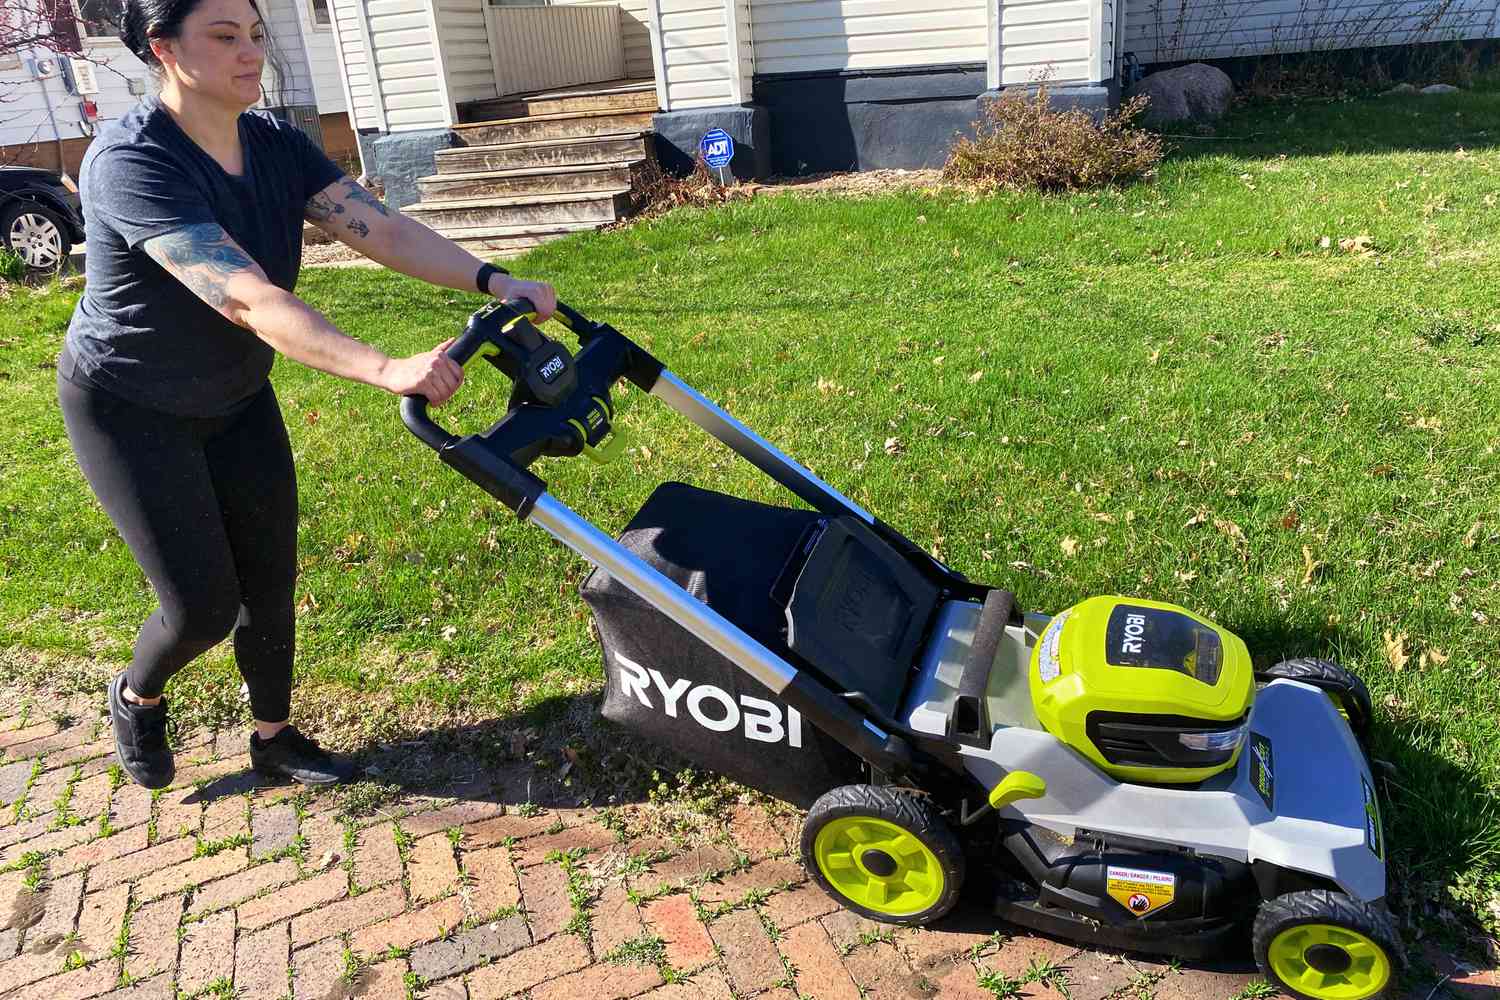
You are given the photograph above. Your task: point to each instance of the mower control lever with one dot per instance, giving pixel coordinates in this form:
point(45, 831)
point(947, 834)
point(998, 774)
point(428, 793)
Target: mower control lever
point(503, 333)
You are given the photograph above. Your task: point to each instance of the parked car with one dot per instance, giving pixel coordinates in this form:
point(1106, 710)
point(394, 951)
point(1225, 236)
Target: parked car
point(40, 217)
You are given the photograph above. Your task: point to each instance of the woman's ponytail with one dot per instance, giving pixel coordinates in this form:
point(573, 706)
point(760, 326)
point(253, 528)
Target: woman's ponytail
point(133, 32)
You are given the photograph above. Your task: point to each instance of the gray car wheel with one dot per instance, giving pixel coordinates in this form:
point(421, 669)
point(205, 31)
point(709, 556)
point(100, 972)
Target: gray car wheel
point(37, 235)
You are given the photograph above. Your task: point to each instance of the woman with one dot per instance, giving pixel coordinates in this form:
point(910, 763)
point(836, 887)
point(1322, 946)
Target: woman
point(194, 212)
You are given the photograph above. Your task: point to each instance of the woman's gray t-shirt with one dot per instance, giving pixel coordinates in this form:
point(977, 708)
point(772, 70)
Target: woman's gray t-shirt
point(140, 333)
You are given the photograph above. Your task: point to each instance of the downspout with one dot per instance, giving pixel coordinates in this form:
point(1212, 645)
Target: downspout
point(658, 53)
point(992, 46)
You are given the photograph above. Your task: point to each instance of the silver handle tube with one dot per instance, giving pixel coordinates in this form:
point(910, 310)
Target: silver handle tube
point(648, 583)
point(753, 448)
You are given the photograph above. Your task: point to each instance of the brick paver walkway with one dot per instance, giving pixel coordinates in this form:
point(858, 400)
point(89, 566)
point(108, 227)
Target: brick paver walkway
point(219, 887)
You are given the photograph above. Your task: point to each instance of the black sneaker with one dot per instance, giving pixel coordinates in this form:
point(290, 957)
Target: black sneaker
point(141, 738)
point(289, 754)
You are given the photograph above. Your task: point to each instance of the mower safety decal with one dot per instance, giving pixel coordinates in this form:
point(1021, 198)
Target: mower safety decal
point(1048, 663)
point(1140, 890)
point(1262, 772)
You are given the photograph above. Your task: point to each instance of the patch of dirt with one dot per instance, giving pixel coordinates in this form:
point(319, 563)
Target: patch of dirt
point(46, 944)
point(858, 183)
point(333, 254)
point(26, 911)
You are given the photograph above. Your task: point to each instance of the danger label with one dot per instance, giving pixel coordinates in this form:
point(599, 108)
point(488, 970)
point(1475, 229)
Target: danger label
point(1141, 891)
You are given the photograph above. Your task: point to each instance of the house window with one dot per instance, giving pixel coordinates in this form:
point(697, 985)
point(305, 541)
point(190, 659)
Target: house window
point(321, 16)
point(100, 18)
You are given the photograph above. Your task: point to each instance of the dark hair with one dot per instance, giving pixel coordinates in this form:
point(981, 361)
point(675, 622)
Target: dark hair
point(143, 20)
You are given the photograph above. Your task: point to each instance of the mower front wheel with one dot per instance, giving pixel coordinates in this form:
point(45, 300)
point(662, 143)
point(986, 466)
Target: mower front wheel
point(883, 852)
point(1347, 692)
point(1324, 945)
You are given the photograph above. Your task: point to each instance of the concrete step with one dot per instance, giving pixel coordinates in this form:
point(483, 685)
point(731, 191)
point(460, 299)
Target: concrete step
point(494, 241)
point(542, 153)
point(637, 97)
point(596, 207)
point(564, 126)
point(595, 177)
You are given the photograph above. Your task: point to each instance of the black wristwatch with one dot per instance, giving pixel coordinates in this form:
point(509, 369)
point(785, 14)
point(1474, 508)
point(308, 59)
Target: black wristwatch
point(486, 272)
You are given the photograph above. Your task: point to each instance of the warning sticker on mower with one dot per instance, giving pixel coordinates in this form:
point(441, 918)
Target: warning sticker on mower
point(1141, 891)
point(1049, 664)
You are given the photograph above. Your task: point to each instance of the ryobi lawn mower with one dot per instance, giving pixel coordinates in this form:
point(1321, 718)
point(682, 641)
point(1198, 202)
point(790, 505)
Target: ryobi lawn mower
point(1116, 774)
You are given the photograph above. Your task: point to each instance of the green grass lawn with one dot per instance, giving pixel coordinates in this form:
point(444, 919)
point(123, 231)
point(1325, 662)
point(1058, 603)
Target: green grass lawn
point(1263, 386)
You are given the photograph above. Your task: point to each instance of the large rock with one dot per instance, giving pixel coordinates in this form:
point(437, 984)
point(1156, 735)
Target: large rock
point(1196, 92)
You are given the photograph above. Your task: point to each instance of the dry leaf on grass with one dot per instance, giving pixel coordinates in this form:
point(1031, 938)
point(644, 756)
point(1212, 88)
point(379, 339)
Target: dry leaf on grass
point(1310, 567)
point(893, 446)
point(1235, 534)
point(1395, 650)
point(1070, 546)
point(1434, 656)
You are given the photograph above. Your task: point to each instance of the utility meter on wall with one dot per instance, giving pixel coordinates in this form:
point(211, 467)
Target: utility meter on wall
point(82, 79)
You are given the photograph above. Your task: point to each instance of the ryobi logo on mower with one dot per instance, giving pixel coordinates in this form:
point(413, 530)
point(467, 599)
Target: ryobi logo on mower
point(551, 368)
point(1135, 631)
point(762, 720)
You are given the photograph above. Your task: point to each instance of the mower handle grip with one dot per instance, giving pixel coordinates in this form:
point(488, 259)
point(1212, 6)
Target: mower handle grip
point(461, 352)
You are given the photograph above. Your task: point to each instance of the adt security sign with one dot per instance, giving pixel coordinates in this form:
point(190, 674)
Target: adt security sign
point(717, 148)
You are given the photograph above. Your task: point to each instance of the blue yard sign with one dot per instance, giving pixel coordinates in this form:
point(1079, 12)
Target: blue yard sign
point(717, 148)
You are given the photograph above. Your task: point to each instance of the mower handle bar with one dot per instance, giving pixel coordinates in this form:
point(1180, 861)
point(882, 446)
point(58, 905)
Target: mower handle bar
point(461, 352)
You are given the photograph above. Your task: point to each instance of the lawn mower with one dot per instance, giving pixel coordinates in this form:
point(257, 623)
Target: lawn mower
point(1117, 774)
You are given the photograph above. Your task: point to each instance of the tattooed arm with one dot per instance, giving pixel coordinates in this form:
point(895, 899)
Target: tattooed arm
point(218, 270)
point(347, 212)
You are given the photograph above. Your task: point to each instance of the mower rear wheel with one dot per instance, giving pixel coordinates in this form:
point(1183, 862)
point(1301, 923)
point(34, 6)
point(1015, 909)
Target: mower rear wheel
point(883, 852)
point(1323, 945)
point(1345, 689)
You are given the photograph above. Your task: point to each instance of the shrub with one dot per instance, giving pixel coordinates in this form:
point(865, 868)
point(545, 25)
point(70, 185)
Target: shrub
point(1021, 142)
point(658, 192)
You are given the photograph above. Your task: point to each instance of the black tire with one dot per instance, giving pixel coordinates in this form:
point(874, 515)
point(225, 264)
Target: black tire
point(905, 881)
point(1301, 920)
point(1347, 690)
point(39, 235)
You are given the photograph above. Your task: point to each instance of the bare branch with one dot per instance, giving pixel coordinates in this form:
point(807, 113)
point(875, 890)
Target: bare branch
point(44, 24)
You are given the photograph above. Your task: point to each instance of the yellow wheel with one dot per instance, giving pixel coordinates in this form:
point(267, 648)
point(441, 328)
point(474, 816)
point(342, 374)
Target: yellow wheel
point(883, 852)
point(1323, 945)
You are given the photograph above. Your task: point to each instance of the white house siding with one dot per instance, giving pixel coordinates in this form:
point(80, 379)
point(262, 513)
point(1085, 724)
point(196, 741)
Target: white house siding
point(797, 36)
point(695, 53)
point(293, 84)
point(466, 49)
point(23, 105)
point(349, 37)
point(1170, 30)
point(406, 63)
point(322, 60)
point(634, 33)
point(1052, 40)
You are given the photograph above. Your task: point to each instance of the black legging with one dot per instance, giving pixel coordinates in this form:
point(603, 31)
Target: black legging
point(208, 507)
